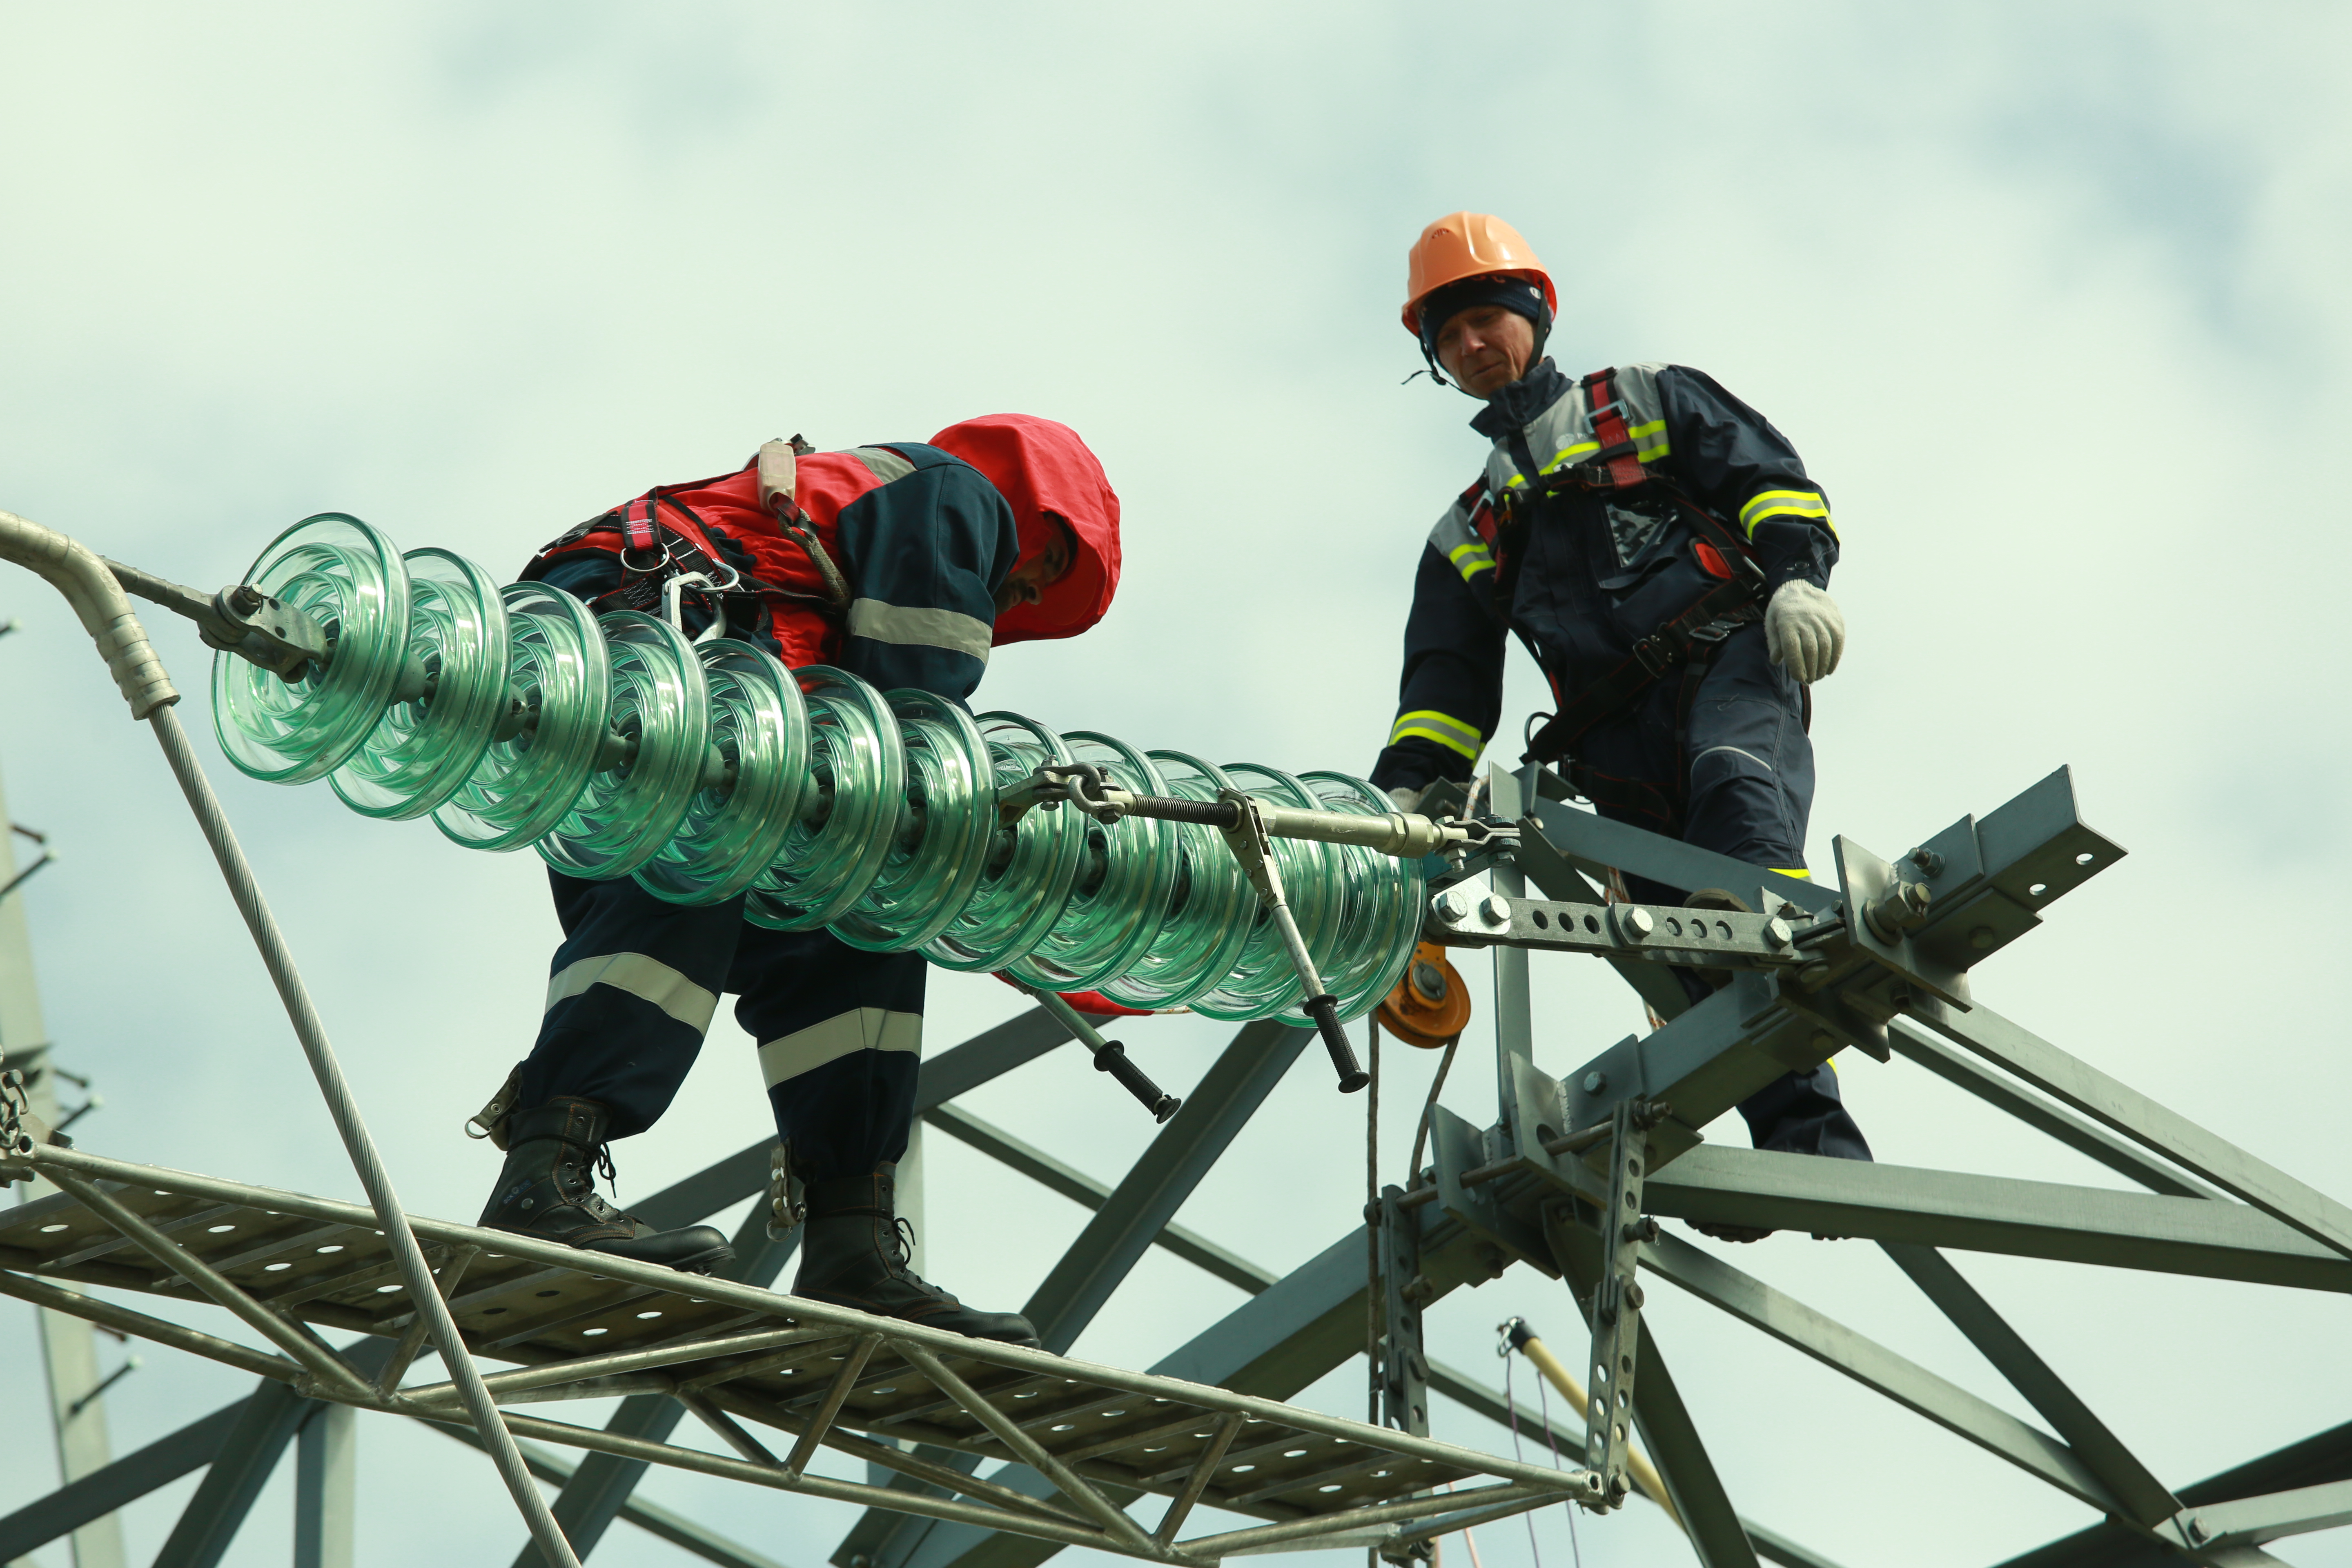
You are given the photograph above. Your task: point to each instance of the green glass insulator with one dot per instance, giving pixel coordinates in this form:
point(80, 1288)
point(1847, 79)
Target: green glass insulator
point(448, 699)
point(652, 767)
point(1262, 983)
point(737, 824)
point(1210, 908)
point(849, 818)
point(1120, 898)
point(1026, 873)
point(942, 841)
point(545, 747)
point(348, 577)
point(1382, 903)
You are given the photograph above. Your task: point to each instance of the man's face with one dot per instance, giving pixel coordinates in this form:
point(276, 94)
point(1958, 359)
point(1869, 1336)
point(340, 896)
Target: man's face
point(1026, 583)
point(1486, 348)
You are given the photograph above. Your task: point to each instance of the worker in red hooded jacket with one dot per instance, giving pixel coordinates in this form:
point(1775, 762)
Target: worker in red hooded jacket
point(903, 564)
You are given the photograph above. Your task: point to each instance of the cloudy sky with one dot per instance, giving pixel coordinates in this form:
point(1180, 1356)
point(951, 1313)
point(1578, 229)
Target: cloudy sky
point(2052, 300)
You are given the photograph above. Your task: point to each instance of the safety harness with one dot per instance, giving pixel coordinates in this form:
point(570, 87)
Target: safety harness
point(667, 552)
point(1686, 640)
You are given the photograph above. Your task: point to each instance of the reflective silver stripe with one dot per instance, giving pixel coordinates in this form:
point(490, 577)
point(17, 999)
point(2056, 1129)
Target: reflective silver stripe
point(882, 463)
point(638, 975)
point(1736, 751)
point(1453, 539)
point(887, 622)
point(1562, 434)
point(860, 1029)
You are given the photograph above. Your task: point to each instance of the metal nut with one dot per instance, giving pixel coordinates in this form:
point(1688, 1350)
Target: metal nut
point(1982, 938)
point(1451, 906)
point(1776, 934)
point(1594, 1083)
point(1634, 924)
point(1496, 909)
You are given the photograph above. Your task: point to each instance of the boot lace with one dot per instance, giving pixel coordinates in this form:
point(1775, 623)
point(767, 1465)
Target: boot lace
point(902, 1231)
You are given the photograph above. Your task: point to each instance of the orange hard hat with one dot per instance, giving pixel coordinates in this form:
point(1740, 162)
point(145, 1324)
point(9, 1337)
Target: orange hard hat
point(1469, 245)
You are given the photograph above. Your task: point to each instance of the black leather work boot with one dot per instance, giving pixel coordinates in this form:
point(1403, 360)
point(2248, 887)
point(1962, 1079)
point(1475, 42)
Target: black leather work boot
point(854, 1255)
point(548, 1189)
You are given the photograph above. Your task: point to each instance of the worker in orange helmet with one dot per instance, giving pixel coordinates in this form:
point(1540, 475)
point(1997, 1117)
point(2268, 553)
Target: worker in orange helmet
point(1659, 549)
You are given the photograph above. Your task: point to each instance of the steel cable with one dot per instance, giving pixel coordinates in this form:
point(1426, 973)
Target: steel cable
point(415, 1273)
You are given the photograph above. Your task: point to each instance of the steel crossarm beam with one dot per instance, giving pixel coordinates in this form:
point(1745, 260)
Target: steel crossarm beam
point(1549, 869)
point(2324, 1456)
point(265, 1423)
point(1596, 846)
point(2142, 1119)
point(1993, 1213)
point(987, 1056)
point(1212, 1116)
point(2140, 1497)
point(1876, 1367)
point(2250, 1521)
point(116, 1485)
point(329, 1369)
point(1919, 1044)
point(1084, 1190)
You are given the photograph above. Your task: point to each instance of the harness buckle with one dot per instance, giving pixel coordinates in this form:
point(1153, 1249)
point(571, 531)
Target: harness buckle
point(1657, 653)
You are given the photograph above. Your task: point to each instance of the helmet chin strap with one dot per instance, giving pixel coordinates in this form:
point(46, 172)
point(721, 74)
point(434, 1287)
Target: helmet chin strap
point(1534, 355)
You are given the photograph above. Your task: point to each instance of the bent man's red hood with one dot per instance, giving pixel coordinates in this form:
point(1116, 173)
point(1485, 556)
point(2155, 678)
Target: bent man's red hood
point(1042, 467)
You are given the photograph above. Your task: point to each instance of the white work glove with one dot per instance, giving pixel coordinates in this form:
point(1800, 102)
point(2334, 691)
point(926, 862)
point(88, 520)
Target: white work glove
point(1804, 631)
point(1404, 798)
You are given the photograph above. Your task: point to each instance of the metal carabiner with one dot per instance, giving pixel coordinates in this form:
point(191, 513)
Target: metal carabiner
point(674, 607)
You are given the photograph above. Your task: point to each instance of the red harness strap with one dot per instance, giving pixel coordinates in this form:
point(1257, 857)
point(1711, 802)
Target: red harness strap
point(1608, 413)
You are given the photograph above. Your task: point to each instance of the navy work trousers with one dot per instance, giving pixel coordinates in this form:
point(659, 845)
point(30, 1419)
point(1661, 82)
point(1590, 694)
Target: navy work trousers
point(632, 988)
point(1743, 780)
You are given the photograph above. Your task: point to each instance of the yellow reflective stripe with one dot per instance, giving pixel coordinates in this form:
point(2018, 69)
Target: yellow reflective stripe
point(1798, 872)
point(1443, 728)
point(1784, 503)
point(1649, 446)
point(1472, 558)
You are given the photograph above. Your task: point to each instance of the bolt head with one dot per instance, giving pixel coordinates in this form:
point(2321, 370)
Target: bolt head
point(1497, 909)
point(1981, 939)
point(1594, 1083)
point(1638, 924)
point(1777, 933)
point(1451, 906)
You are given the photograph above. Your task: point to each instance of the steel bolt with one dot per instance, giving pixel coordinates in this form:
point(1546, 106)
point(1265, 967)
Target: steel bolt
point(1637, 924)
point(1496, 909)
point(1982, 938)
point(1823, 1039)
point(1776, 934)
point(1451, 906)
point(1594, 1083)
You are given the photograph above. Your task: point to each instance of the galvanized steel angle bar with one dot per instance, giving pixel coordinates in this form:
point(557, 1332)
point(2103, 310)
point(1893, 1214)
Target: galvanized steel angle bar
point(2107, 1099)
point(2140, 1497)
point(1456, 1147)
point(1915, 1042)
point(1876, 1367)
point(1617, 1304)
